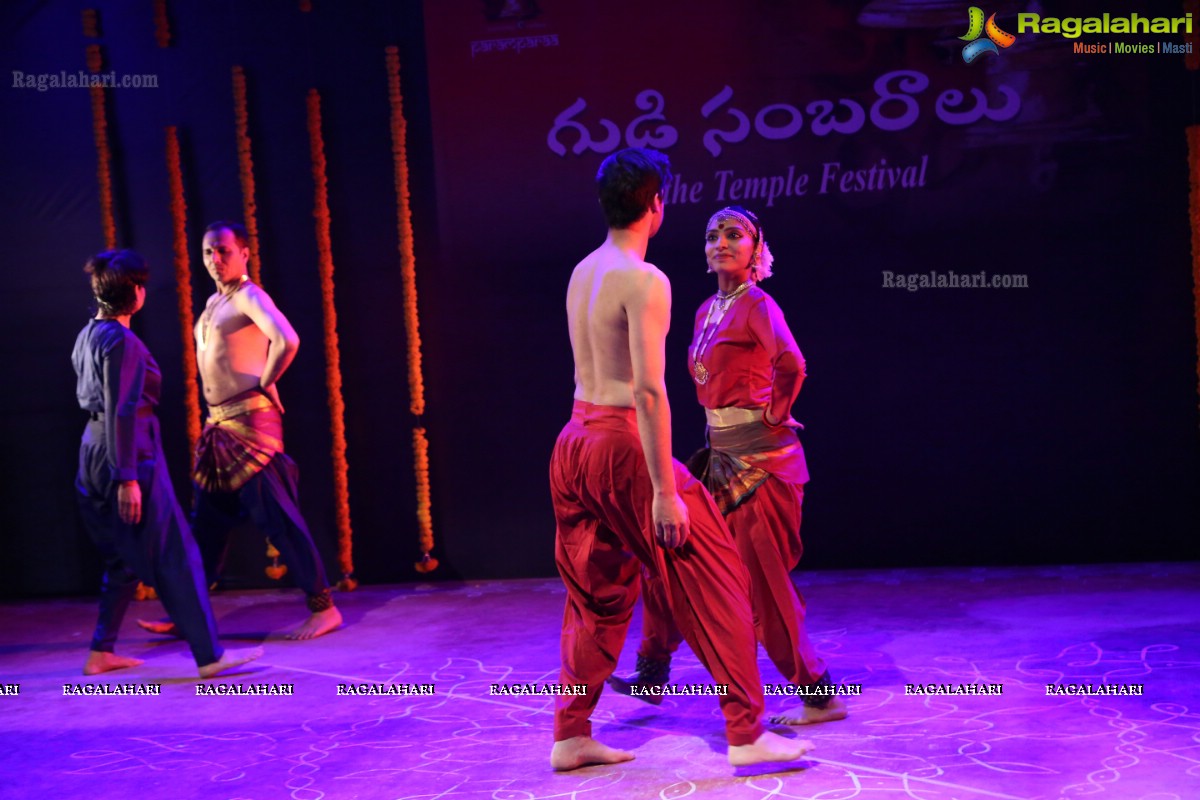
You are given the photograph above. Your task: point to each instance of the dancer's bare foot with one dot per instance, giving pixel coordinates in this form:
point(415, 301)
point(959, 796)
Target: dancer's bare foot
point(319, 624)
point(98, 663)
point(768, 747)
point(162, 627)
point(580, 751)
point(230, 659)
point(807, 715)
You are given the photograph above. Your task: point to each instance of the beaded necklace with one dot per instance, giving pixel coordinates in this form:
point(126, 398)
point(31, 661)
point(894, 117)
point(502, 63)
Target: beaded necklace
point(722, 303)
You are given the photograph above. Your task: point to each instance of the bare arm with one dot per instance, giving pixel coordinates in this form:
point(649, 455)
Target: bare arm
point(649, 316)
point(258, 306)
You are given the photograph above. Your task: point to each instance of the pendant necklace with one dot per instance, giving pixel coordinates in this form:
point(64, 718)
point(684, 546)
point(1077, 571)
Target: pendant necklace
point(210, 311)
point(720, 303)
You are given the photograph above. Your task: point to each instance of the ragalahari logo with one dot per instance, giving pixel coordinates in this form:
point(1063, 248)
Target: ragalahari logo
point(977, 27)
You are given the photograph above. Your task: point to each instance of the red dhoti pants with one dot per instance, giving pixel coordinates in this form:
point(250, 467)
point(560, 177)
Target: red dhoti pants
point(602, 498)
point(766, 529)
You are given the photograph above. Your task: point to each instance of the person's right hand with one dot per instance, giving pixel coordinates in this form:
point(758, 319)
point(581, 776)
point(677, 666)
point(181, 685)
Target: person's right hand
point(273, 394)
point(129, 502)
point(670, 520)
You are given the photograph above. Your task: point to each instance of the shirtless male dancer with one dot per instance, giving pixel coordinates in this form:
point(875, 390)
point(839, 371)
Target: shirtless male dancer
point(620, 498)
point(243, 345)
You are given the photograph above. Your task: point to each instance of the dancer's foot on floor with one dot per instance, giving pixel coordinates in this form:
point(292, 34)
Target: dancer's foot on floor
point(579, 751)
point(98, 663)
point(768, 748)
point(230, 659)
point(811, 715)
point(319, 624)
point(161, 627)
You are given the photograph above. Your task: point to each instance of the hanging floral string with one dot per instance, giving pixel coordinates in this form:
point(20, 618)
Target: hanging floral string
point(91, 23)
point(246, 169)
point(162, 25)
point(183, 287)
point(333, 369)
point(424, 513)
point(412, 328)
point(95, 62)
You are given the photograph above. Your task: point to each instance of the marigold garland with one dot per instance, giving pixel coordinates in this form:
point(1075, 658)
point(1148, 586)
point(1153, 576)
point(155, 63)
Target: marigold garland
point(412, 327)
point(91, 23)
point(1193, 140)
point(333, 369)
point(162, 25)
point(246, 169)
point(424, 515)
point(408, 272)
point(183, 287)
point(95, 62)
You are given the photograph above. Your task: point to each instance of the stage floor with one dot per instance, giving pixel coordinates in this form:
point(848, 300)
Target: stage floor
point(1128, 625)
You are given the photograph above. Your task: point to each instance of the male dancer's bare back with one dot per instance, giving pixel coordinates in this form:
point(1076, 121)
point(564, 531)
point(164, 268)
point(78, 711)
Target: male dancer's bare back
point(618, 313)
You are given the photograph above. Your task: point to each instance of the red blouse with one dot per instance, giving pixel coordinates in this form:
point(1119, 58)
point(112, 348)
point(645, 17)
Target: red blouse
point(752, 358)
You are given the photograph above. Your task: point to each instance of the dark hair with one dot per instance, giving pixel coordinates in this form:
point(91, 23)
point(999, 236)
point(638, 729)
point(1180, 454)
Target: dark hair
point(236, 228)
point(115, 275)
point(627, 182)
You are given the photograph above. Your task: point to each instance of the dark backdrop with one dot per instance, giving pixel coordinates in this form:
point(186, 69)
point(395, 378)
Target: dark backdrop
point(945, 426)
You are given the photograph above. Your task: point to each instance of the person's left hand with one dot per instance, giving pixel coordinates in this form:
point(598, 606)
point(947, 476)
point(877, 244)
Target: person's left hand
point(129, 502)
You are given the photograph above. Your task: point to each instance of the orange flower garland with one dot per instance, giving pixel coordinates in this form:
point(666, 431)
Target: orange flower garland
point(100, 133)
point(333, 370)
point(412, 328)
point(424, 516)
point(91, 23)
point(183, 287)
point(162, 25)
point(408, 273)
point(246, 169)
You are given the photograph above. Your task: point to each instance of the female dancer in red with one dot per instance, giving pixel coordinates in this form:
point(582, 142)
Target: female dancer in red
point(748, 371)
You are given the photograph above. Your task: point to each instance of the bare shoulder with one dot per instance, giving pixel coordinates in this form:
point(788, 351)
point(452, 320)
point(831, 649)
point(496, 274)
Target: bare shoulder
point(584, 270)
point(250, 291)
point(640, 277)
point(618, 272)
point(251, 296)
point(648, 283)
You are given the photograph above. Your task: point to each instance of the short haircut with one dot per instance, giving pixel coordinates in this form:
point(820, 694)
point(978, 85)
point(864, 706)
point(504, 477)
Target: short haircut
point(115, 276)
point(236, 228)
point(627, 182)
